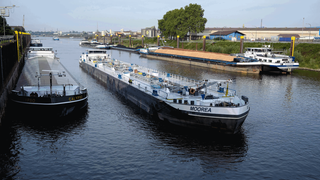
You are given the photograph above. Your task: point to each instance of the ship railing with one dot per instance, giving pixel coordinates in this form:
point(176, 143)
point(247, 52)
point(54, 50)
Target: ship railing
point(147, 88)
point(44, 91)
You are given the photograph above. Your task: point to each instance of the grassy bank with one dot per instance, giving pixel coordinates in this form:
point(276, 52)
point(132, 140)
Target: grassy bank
point(308, 55)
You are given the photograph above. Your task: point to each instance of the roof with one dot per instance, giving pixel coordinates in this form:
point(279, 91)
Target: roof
point(224, 33)
point(264, 29)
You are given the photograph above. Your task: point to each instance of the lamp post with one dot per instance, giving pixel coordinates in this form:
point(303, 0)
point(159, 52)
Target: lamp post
point(302, 26)
point(309, 30)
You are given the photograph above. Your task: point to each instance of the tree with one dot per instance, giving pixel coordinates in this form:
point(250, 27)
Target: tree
point(181, 21)
point(194, 20)
point(171, 24)
point(7, 28)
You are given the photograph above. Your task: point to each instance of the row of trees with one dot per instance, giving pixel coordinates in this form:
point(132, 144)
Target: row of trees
point(183, 21)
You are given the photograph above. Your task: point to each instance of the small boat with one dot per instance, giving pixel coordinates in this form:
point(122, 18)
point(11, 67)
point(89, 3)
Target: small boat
point(35, 43)
point(84, 42)
point(55, 38)
point(103, 47)
point(46, 88)
point(207, 105)
point(268, 59)
point(94, 41)
point(145, 51)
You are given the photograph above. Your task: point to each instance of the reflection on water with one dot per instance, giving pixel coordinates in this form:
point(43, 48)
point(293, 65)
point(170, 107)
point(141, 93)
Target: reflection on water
point(214, 151)
point(10, 148)
point(115, 140)
point(48, 131)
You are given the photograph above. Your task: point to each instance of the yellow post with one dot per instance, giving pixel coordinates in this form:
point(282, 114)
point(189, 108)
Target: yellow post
point(204, 43)
point(292, 45)
point(17, 36)
point(241, 44)
point(227, 91)
point(142, 41)
point(178, 41)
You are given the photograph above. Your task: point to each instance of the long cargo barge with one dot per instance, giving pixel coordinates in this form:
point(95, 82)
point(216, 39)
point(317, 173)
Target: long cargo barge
point(45, 88)
point(199, 58)
point(206, 105)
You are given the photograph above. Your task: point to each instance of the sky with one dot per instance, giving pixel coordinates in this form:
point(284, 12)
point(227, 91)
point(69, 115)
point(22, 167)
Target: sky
point(134, 15)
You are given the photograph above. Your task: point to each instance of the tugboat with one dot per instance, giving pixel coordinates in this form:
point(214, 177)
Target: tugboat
point(206, 105)
point(45, 87)
point(55, 38)
point(35, 43)
point(270, 61)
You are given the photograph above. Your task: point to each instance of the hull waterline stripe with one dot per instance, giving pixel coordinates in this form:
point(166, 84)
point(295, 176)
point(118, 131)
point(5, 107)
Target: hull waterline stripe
point(217, 117)
point(50, 104)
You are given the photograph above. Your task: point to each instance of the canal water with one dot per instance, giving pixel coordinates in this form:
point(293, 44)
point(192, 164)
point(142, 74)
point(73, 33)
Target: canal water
point(112, 140)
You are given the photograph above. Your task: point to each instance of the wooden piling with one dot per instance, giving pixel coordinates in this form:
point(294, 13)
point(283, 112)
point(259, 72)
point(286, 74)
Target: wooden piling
point(204, 43)
point(158, 41)
point(129, 40)
point(292, 45)
point(178, 41)
point(142, 41)
point(241, 44)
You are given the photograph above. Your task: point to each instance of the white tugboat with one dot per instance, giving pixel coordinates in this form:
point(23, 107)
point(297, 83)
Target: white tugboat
point(207, 104)
point(268, 59)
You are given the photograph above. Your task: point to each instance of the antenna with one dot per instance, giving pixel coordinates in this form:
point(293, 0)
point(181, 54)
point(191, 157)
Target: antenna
point(23, 22)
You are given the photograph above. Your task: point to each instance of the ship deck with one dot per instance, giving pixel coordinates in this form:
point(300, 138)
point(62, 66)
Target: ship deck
point(44, 65)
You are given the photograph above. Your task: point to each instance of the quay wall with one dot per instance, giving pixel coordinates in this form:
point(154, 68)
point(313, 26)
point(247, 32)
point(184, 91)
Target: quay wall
point(12, 55)
point(207, 64)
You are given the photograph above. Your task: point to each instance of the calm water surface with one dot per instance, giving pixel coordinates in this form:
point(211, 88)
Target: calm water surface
point(112, 140)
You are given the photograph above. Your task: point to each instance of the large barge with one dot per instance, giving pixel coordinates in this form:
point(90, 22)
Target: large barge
point(206, 105)
point(199, 58)
point(254, 60)
point(45, 87)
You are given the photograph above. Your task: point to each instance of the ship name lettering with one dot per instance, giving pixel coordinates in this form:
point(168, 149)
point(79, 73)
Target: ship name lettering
point(200, 109)
point(75, 98)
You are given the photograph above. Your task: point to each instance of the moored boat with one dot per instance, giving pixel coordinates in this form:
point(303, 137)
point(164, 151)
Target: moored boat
point(35, 43)
point(268, 59)
point(103, 46)
point(46, 88)
point(206, 105)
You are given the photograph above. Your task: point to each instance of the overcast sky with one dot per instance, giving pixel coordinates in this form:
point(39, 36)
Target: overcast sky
point(85, 15)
